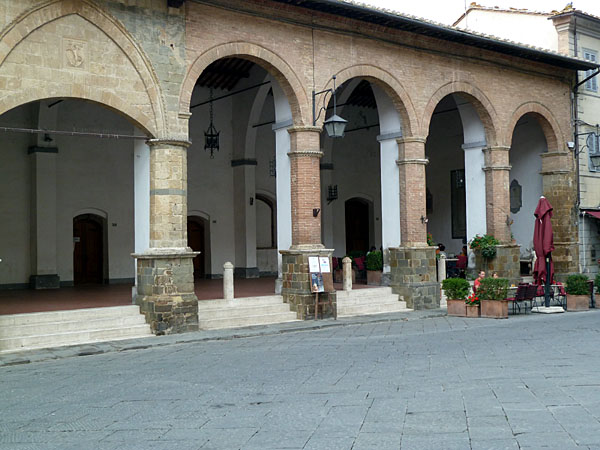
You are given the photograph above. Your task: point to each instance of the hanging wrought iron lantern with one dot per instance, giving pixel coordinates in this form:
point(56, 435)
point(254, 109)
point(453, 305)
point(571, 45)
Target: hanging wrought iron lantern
point(211, 135)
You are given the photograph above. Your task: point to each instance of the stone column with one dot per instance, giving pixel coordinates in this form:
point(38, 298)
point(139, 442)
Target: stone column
point(347, 274)
point(390, 194)
point(165, 273)
point(559, 188)
point(244, 201)
point(475, 196)
point(44, 271)
point(228, 281)
point(413, 264)
point(284, 209)
point(497, 192)
point(305, 184)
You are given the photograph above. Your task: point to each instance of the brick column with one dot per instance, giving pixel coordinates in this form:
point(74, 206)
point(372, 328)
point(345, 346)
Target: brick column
point(305, 183)
point(305, 155)
point(497, 192)
point(559, 187)
point(165, 272)
point(413, 264)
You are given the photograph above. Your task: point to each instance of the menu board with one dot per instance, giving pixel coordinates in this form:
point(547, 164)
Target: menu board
point(313, 264)
point(316, 282)
point(321, 279)
point(324, 264)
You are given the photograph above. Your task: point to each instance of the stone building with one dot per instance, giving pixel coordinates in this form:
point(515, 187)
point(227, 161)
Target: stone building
point(105, 107)
point(575, 33)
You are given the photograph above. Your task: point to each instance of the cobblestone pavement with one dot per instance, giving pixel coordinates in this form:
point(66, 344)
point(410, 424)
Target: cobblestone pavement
point(434, 383)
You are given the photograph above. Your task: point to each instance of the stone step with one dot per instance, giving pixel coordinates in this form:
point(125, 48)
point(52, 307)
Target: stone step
point(247, 321)
point(366, 292)
point(46, 328)
point(242, 311)
point(73, 338)
point(374, 308)
point(67, 315)
point(393, 298)
point(245, 301)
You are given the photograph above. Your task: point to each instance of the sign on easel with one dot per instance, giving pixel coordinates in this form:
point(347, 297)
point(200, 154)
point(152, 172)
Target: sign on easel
point(321, 279)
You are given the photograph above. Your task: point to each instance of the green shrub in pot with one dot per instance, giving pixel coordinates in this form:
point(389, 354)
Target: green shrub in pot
point(456, 288)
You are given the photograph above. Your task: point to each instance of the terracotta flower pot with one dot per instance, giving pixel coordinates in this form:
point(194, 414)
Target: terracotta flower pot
point(473, 311)
point(457, 308)
point(494, 309)
point(374, 277)
point(578, 302)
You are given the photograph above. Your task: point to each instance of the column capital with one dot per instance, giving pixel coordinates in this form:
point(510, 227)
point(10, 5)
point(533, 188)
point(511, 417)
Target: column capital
point(491, 168)
point(313, 153)
point(496, 148)
point(304, 128)
point(168, 143)
point(409, 139)
point(422, 161)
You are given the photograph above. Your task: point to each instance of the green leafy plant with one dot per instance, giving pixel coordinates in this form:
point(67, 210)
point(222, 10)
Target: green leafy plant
point(597, 283)
point(485, 245)
point(493, 289)
point(430, 241)
point(456, 288)
point(375, 260)
point(577, 285)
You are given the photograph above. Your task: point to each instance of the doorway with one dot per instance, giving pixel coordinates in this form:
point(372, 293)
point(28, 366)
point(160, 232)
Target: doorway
point(357, 225)
point(88, 251)
point(196, 230)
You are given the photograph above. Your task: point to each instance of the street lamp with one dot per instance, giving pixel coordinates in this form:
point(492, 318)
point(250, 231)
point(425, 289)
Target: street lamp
point(335, 125)
point(593, 146)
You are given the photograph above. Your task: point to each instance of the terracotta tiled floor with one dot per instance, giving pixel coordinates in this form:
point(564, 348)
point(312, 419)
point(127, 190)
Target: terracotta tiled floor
point(94, 296)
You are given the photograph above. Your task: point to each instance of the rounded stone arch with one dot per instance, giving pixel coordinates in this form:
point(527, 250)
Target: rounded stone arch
point(546, 120)
point(390, 85)
point(143, 104)
point(272, 63)
point(482, 105)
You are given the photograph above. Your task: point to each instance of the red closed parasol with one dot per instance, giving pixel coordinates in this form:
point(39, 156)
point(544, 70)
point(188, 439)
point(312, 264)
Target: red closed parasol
point(543, 244)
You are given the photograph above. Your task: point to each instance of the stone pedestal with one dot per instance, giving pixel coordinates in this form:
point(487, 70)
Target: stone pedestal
point(413, 271)
point(506, 263)
point(296, 281)
point(165, 290)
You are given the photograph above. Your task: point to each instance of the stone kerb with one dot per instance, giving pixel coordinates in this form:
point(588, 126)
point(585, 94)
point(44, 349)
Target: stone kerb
point(413, 276)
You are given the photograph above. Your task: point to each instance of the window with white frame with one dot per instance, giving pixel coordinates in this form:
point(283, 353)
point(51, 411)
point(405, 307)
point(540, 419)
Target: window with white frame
point(593, 150)
point(592, 83)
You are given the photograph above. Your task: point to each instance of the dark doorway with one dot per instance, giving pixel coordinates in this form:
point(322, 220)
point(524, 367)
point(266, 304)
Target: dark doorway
point(88, 252)
point(196, 239)
point(357, 225)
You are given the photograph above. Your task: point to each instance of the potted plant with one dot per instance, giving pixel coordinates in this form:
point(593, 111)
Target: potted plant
point(578, 293)
point(473, 308)
point(485, 245)
point(374, 267)
point(456, 290)
point(492, 295)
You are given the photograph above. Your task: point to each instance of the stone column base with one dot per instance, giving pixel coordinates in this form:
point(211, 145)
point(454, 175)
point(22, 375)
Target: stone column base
point(506, 263)
point(165, 290)
point(44, 281)
point(296, 282)
point(413, 276)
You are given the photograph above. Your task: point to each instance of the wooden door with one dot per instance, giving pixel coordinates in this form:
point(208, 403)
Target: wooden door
point(357, 225)
point(88, 259)
point(195, 229)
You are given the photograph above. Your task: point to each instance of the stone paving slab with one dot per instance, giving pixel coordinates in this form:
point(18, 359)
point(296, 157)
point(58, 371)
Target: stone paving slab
point(434, 382)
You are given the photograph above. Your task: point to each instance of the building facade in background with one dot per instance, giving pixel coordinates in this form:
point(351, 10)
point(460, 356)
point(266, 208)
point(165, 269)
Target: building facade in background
point(575, 33)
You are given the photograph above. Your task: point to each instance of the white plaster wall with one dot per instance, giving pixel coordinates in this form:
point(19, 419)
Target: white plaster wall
point(210, 183)
point(527, 145)
point(95, 173)
point(15, 197)
point(529, 29)
point(444, 151)
point(356, 173)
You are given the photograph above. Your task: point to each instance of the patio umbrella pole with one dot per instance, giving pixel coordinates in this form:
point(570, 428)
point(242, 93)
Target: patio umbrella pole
point(547, 287)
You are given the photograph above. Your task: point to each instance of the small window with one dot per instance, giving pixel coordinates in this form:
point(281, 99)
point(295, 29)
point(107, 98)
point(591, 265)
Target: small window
point(593, 150)
point(592, 83)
